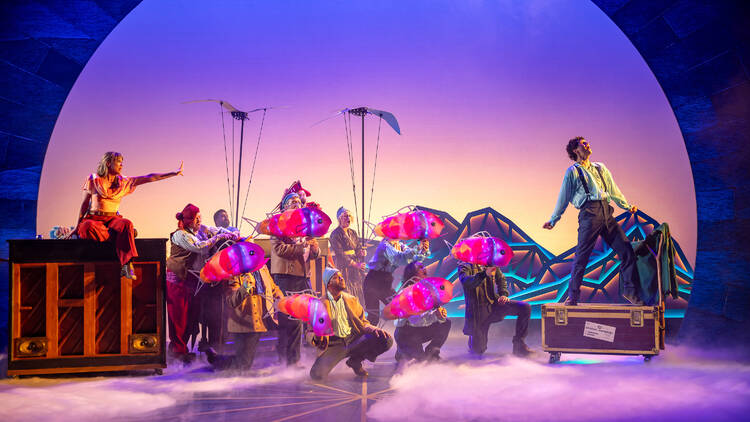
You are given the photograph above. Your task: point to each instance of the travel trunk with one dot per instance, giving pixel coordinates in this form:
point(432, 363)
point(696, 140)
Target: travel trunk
point(602, 328)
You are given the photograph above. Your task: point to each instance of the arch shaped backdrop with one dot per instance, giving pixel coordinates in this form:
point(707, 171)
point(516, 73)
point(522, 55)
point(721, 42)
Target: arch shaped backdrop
point(696, 49)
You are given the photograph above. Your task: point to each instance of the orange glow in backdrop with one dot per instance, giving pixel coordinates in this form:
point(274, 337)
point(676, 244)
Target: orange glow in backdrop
point(487, 96)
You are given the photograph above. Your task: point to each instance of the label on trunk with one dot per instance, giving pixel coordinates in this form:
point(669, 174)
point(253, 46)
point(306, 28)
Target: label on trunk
point(599, 331)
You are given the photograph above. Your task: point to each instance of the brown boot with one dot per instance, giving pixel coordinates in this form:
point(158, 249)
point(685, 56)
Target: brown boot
point(357, 367)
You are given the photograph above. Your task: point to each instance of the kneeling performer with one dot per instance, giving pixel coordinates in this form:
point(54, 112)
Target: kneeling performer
point(353, 336)
point(485, 305)
point(412, 332)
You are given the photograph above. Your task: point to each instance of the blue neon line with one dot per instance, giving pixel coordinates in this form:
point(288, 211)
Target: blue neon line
point(610, 271)
point(547, 287)
point(602, 257)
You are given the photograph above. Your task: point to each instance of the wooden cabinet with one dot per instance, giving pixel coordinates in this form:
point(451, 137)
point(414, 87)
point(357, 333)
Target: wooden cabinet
point(72, 312)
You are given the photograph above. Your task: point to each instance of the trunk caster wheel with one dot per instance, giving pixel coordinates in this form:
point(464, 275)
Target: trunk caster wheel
point(554, 357)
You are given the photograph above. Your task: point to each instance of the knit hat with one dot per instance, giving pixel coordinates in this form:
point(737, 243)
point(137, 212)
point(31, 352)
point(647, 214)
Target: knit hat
point(328, 273)
point(341, 211)
point(188, 213)
point(296, 188)
point(288, 197)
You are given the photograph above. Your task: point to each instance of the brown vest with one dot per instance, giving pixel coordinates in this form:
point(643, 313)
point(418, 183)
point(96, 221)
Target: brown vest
point(180, 261)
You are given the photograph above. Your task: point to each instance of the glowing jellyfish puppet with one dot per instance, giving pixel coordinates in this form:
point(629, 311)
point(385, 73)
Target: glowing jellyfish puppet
point(483, 250)
point(301, 222)
point(416, 224)
point(421, 296)
point(240, 258)
point(307, 308)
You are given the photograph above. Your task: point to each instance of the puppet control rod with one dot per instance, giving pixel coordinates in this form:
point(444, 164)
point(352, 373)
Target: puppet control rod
point(362, 112)
point(241, 116)
point(393, 123)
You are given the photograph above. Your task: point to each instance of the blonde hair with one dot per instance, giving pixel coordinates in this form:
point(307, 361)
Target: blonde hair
point(103, 168)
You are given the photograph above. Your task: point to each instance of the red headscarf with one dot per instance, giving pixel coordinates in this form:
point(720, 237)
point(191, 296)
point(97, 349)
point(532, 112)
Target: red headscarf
point(187, 216)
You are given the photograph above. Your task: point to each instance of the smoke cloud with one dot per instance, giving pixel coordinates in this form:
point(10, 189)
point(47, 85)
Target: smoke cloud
point(84, 399)
point(582, 387)
point(680, 384)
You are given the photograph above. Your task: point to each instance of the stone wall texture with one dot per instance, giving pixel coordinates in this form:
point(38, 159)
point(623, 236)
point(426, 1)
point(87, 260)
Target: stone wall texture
point(699, 51)
point(44, 45)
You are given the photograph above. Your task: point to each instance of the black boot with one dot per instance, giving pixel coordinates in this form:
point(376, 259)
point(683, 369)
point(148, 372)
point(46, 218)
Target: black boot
point(188, 358)
point(520, 349)
point(632, 296)
point(211, 355)
point(572, 299)
point(432, 354)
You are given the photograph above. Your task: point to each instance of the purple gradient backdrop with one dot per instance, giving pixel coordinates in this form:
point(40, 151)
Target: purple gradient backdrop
point(487, 94)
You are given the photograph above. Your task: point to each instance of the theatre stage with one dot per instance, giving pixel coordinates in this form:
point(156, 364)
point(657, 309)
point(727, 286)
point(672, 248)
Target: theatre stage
point(680, 384)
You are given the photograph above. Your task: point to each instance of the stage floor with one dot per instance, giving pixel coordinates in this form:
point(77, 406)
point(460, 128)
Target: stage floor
point(680, 384)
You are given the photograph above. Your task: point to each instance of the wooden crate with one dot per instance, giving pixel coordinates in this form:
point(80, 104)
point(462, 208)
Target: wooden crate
point(601, 328)
point(72, 312)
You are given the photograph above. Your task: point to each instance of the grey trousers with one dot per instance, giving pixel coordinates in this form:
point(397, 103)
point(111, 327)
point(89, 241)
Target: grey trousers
point(409, 340)
point(356, 348)
point(290, 330)
point(245, 345)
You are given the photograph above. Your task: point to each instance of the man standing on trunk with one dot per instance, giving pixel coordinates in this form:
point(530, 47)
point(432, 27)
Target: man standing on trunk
point(589, 187)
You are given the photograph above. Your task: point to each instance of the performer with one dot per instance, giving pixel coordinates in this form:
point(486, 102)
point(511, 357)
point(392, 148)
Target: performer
point(353, 337)
point(348, 253)
point(295, 188)
point(98, 218)
point(221, 220)
point(412, 332)
point(378, 284)
point(250, 298)
point(290, 267)
point(486, 305)
point(589, 187)
point(187, 256)
point(208, 312)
